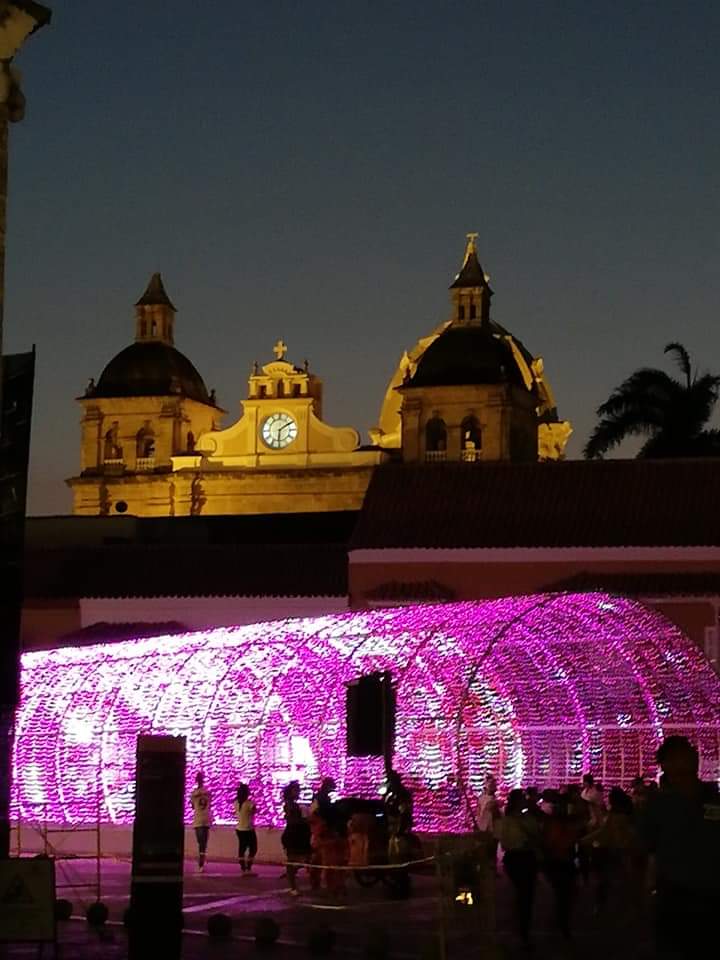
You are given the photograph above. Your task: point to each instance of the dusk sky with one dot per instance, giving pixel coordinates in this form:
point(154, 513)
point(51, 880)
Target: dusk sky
point(309, 170)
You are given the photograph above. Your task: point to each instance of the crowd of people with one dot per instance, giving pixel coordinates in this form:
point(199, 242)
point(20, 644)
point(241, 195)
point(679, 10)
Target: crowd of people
point(659, 842)
point(323, 839)
point(575, 831)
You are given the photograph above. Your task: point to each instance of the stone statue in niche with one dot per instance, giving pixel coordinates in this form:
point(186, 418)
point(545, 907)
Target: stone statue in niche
point(113, 449)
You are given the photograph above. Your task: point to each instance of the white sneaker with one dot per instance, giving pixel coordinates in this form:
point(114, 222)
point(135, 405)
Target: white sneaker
point(294, 893)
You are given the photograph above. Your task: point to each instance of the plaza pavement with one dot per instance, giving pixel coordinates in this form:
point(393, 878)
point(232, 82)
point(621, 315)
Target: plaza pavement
point(411, 926)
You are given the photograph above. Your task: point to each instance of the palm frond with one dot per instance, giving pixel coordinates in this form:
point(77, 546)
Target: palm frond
point(708, 384)
point(682, 357)
point(672, 415)
point(645, 388)
point(698, 404)
point(612, 430)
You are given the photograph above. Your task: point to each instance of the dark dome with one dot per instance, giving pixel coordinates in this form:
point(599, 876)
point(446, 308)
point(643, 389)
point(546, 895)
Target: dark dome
point(465, 355)
point(151, 369)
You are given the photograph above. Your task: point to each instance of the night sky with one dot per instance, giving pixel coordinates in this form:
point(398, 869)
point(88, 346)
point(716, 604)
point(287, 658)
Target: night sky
point(309, 170)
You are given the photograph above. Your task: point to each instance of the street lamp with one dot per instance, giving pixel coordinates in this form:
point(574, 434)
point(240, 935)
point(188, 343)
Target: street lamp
point(18, 19)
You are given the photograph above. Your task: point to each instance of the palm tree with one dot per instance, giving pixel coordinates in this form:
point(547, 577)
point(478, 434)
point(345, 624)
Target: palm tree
point(672, 413)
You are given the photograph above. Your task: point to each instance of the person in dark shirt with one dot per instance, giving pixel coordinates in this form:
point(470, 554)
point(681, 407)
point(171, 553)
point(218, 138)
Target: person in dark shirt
point(326, 835)
point(398, 807)
point(559, 837)
point(323, 801)
point(296, 835)
point(680, 826)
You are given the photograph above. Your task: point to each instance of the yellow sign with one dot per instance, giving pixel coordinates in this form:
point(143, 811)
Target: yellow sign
point(27, 900)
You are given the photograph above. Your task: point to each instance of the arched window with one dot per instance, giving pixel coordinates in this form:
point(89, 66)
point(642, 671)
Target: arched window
point(190, 441)
point(461, 312)
point(435, 439)
point(473, 311)
point(470, 439)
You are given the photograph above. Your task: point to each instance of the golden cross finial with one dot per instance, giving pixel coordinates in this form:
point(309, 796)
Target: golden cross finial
point(471, 246)
point(280, 349)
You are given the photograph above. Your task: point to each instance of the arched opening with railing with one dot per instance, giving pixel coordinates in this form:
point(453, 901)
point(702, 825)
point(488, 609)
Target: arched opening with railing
point(470, 439)
point(435, 439)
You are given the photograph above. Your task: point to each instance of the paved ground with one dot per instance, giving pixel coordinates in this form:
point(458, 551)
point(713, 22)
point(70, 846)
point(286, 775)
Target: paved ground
point(411, 926)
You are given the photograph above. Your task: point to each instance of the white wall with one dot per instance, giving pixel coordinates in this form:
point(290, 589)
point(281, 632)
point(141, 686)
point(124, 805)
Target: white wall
point(201, 612)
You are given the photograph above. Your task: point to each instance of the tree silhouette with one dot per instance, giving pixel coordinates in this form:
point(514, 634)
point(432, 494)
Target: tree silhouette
point(672, 413)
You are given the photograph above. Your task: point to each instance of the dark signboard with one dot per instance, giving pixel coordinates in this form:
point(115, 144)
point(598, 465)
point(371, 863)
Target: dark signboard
point(155, 920)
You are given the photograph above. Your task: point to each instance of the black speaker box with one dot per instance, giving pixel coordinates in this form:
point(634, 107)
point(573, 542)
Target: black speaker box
point(370, 716)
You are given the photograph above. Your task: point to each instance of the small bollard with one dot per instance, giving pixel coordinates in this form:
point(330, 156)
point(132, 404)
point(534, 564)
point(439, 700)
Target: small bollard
point(97, 914)
point(63, 909)
point(219, 926)
point(266, 932)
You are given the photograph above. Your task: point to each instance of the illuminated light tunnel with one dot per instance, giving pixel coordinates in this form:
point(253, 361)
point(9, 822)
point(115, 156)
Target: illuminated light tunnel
point(536, 689)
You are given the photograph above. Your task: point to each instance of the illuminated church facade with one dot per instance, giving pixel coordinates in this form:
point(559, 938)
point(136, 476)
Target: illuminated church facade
point(153, 445)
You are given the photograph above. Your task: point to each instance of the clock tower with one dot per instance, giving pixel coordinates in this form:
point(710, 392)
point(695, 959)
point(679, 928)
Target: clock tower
point(280, 456)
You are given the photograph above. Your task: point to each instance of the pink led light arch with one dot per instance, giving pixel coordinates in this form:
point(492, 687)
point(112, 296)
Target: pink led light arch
point(536, 689)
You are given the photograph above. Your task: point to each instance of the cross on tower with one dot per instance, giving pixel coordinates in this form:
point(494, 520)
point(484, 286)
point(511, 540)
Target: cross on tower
point(472, 237)
point(280, 349)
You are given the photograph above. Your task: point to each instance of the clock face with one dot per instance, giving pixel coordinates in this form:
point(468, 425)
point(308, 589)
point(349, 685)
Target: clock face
point(279, 430)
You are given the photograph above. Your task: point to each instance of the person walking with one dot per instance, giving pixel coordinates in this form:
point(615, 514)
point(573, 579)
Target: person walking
point(322, 822)
point(592, 794)
point(398, 808)
point(245, 829)
point(559, 836)
point(614, 852)
point(487, 814)
point(589, 816)
point(681, 827)
point(295, 837)
point(519, 836)
point(200, 800)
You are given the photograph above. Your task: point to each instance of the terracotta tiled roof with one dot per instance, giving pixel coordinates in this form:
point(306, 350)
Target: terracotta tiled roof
point(608, 503)
point(103, 632)
point(187, 570)
point(419, 590)
point(642, 584)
